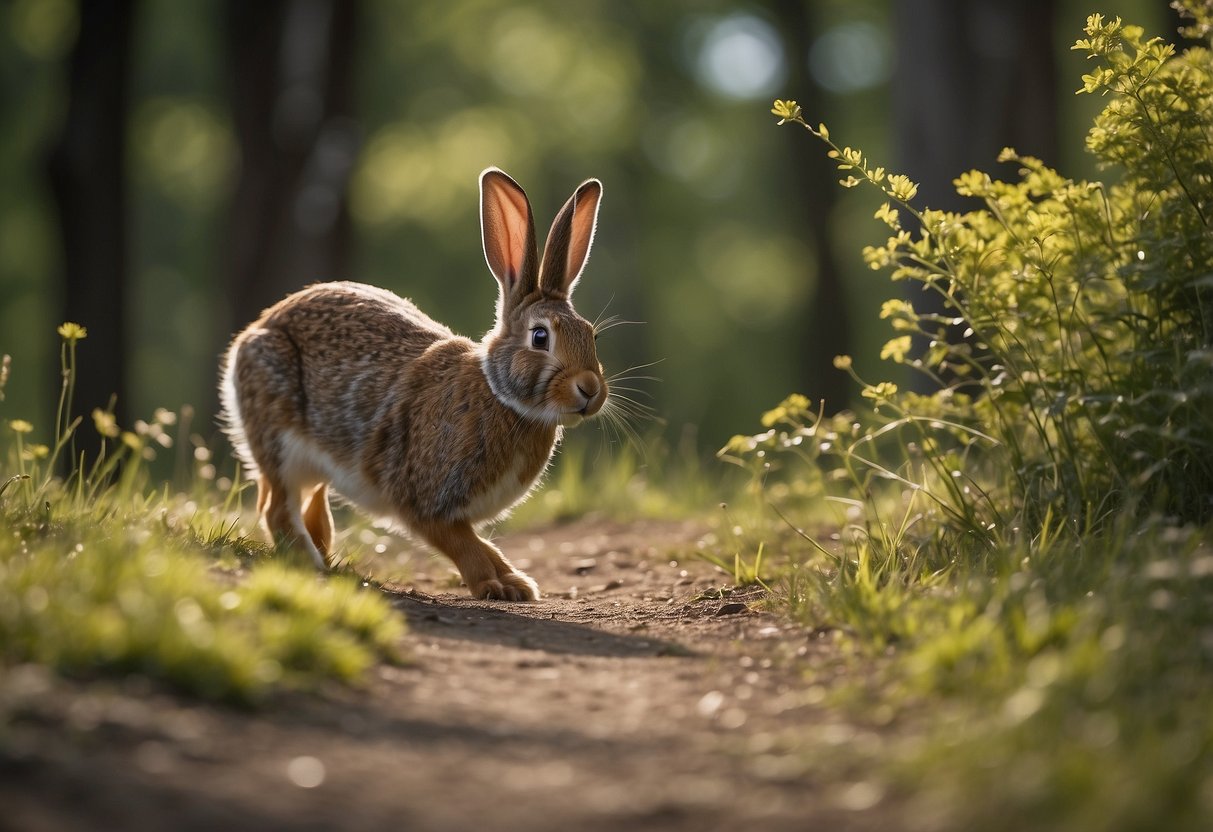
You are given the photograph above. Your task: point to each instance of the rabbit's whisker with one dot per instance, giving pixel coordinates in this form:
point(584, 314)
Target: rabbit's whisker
point(621, 377)
point(612, 322)
point(600, 315)
point(635, 390)
point(616, 421)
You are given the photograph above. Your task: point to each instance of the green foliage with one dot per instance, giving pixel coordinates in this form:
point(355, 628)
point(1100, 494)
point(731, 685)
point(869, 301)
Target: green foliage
point(1075, 351)
point(99, 576)
point(1029, 547)
point(1200, 12)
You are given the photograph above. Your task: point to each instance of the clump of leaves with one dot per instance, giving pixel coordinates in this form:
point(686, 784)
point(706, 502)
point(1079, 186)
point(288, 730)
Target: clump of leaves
point(100, 575)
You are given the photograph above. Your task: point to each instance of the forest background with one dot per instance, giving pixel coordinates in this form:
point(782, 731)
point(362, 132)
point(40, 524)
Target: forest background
point(169, 168)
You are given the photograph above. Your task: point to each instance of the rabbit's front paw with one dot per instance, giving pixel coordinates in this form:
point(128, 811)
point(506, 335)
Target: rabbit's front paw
point(522, 585)
point(512, 586)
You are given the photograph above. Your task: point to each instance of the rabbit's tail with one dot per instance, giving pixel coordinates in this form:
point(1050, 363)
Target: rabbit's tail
point(230, 420)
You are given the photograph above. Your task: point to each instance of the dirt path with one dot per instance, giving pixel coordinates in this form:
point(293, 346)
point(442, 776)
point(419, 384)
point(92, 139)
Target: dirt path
point(634, 696)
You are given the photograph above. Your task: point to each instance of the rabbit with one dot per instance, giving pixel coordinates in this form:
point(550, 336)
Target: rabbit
point(352, 387)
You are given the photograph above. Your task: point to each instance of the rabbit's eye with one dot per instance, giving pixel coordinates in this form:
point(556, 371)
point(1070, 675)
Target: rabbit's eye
point(539, 338)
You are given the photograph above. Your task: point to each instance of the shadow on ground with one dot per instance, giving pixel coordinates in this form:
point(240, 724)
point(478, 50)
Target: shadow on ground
point(535, 629)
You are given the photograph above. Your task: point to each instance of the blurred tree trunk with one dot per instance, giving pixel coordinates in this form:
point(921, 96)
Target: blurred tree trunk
point(290, 70)
point(87, 171)
point(826, 331)
point(971, 77)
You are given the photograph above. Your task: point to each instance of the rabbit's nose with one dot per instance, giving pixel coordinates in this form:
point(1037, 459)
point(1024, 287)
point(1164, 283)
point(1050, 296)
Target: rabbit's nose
point(589, 386)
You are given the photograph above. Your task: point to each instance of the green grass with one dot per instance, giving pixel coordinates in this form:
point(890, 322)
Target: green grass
point(644, 477)
point(1063, 685)
point(123, 596)
point(103, 575)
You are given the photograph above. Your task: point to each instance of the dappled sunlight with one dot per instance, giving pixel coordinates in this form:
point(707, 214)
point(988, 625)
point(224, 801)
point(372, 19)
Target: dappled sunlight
point(44, 29)
point(392, 181)
point(760, 279)
point(586, 81)
point(532, 53)
point(687, 147)
point(184, 148)
point(851, 57)
point(739, 56)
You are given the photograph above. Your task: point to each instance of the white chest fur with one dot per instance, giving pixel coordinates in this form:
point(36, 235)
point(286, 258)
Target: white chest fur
point(498, 497)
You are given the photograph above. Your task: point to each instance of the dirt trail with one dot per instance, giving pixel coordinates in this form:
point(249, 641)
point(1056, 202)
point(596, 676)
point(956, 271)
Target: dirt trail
point(634, 696)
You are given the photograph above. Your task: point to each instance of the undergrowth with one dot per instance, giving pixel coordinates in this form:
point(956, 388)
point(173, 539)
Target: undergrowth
point(1027, 551)
point(595, 475)
point(103, 575)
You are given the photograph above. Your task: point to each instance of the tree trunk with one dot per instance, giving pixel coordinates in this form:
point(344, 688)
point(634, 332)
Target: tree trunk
point(87, 171)
point(827, 330)
point(972, 77)
point(291, 87)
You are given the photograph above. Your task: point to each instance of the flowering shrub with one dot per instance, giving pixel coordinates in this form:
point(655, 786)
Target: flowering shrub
point(1073, 363)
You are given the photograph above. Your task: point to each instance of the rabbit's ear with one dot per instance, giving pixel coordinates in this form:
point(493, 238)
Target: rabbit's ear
point(568, 245)
point(508, 232)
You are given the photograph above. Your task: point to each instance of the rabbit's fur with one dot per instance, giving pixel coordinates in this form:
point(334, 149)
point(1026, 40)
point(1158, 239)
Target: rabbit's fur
point(349, 386)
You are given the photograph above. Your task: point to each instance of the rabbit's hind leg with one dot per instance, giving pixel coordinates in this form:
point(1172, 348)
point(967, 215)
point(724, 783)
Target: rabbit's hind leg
point(282, 518)
point(318, 519)
point(485, 570)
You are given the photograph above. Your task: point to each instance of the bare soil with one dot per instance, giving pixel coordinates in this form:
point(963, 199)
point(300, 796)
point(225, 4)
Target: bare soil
point(640, 693)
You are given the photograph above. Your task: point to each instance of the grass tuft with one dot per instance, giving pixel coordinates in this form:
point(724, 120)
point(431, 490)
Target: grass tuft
point(102, 575)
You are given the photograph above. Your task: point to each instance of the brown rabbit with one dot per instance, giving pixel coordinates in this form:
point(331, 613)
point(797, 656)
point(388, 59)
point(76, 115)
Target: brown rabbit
point(347, 385)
